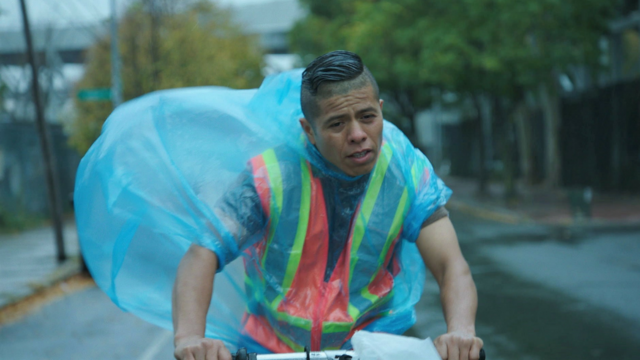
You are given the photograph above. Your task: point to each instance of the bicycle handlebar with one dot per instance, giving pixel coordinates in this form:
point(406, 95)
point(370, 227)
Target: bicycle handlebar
point(307, 355)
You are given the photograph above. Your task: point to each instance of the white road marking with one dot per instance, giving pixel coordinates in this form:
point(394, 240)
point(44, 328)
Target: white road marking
point(154, 348)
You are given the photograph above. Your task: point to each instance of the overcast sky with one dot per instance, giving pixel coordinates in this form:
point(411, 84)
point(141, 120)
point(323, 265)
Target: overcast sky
point(68, 12)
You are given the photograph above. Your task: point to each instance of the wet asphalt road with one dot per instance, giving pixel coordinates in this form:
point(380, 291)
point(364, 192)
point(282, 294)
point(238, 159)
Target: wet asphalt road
point(544, 294)
point(548, 293)
point(84, 326)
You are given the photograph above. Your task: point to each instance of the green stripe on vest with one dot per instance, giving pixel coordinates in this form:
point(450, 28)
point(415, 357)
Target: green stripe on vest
point(375, 183)
point(303, 223)
point(393, 234)
point(275, 180)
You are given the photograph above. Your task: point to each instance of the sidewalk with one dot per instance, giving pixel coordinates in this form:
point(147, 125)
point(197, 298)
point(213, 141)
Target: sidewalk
point(539, 205)
point(28, 262)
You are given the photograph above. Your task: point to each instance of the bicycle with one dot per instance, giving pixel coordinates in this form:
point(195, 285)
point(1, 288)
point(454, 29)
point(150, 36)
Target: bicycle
point(242, 354)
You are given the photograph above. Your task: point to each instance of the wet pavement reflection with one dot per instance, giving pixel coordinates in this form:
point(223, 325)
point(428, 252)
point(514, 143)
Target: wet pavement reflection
point(548, 293)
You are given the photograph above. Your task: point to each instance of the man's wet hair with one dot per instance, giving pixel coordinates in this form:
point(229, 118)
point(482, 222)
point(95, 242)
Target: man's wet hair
point(335, 73)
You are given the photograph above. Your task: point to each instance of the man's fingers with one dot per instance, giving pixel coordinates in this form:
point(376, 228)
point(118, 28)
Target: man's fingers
point(464, 347)
point(200, 352)
point(186, 355)
point(201, 349)
point(474, 354)
point(211, 351)
point(441, 346)
point(223, 353)
point(454, 352)
point(458, 346)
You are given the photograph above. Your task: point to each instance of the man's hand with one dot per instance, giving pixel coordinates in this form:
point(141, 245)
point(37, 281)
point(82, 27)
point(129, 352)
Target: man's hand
point(458, 346)
point(197, 348)
point(191, 299)
point(438, 245)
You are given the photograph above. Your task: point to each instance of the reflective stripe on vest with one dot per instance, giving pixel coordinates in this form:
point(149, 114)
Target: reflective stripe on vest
point(287, 285)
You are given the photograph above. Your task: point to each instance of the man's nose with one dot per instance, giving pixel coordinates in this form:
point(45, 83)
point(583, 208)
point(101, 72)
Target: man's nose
point(356, 133)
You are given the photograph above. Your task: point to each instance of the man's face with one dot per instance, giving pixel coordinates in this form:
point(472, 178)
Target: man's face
point(348, 130)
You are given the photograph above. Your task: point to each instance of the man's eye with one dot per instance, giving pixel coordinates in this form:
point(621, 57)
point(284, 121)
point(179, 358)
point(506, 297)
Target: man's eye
point(335, 124)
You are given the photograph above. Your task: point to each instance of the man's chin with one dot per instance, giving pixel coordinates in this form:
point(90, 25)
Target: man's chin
point(360, 170)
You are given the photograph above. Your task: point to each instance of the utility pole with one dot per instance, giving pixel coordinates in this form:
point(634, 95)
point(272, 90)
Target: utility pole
point(116, 81)
point(45, 144)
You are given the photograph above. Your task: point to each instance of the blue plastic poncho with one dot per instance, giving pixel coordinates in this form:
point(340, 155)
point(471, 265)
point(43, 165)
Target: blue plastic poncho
point(164, 173)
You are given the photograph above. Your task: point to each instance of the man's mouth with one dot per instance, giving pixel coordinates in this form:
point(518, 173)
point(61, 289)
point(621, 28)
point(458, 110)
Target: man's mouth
point(360, 154)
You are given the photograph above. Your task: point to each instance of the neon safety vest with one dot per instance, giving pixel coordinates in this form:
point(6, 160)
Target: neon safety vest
point(291, 305)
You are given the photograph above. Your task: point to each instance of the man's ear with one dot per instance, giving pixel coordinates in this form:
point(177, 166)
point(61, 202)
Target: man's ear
point(306, 126)
point(381, 103)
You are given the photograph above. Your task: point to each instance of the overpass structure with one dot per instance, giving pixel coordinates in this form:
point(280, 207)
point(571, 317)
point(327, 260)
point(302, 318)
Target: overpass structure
point(70, 43)
point(270, 21)
point(61, 52)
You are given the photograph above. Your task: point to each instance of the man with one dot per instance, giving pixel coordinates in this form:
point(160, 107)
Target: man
point(328, 261)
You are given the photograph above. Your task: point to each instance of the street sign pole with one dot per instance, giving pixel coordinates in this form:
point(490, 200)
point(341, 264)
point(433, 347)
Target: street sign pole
point(45, 144)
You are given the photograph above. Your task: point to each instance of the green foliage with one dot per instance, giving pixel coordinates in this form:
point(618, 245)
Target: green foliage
point(196, 45)
point(631, 52)
point(499, 50)
point(496, 47)
point(16, 221)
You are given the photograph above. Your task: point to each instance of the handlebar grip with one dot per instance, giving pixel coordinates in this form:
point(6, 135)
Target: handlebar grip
point(242, 354)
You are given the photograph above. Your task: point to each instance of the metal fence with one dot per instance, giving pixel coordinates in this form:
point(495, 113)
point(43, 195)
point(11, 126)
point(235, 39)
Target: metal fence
point(22, 180)
point(600, 138)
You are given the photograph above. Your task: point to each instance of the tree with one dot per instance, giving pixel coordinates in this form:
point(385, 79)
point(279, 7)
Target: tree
point(167, 46)
point(500, 50)
point(336, 25)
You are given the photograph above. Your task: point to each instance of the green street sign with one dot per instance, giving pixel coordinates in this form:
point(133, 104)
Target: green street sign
point(99, 94)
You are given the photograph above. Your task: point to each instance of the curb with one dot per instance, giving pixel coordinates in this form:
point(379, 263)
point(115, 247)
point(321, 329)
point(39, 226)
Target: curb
point(29, 304)
point(510, 217)
point(487, 213)
point(608, 226)
point(66, 270)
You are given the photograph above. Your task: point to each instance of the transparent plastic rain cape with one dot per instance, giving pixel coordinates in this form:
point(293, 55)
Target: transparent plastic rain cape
point(153, 184)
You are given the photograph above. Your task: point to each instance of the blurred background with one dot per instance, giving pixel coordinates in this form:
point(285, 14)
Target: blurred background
point(529, 110)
